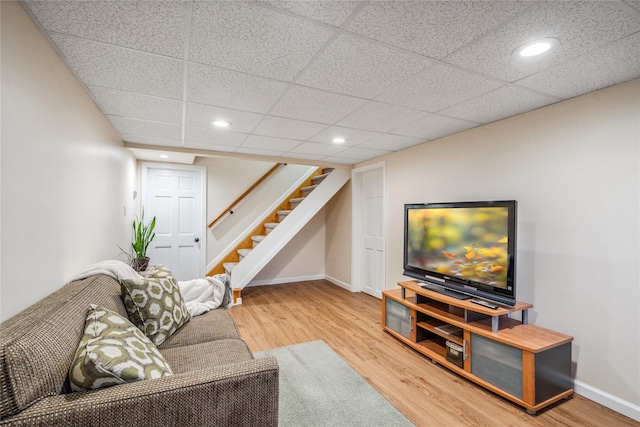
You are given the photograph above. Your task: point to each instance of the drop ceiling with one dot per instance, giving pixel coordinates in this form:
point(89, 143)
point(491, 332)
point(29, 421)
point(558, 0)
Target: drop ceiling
point(291, 75)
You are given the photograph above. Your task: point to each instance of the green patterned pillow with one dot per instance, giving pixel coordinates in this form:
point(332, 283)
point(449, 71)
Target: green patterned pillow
point(155, 304)
point(113, 351)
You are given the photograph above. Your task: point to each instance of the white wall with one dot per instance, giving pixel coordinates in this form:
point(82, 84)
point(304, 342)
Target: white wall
point(65, 177)
point(338, 216)
point(301, 259)
point(574, 168)
point(228, 179)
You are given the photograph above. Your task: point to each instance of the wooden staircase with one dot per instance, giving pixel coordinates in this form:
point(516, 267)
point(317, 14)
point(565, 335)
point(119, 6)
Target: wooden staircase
point(242, 250)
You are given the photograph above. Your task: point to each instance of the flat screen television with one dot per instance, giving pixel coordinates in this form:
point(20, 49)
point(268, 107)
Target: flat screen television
point(463, 249)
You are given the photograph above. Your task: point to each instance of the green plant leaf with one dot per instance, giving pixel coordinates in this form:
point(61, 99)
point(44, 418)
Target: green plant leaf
point(143, 235)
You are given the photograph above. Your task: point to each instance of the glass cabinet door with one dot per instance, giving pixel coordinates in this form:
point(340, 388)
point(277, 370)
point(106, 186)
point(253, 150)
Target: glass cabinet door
point(398, 318)
point(497, 363)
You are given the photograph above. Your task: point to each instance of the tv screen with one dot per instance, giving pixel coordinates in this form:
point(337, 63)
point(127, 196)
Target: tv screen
point(467, 247)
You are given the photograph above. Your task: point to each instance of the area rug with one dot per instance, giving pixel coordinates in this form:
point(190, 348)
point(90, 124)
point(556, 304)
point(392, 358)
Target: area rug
point(318, 389)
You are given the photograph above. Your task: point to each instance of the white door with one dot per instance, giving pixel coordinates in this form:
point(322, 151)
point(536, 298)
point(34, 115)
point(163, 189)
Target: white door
point(370, 236)
point(176, 197)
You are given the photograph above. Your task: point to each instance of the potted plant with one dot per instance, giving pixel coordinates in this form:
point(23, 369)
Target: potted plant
point(142, 236)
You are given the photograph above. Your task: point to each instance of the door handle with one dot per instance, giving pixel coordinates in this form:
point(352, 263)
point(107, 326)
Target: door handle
point(197, 239)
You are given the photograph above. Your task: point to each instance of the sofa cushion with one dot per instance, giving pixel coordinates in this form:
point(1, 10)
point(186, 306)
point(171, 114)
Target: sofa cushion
point(155, 304)
point(206, 355)
point(211, 326)
point(114, 351)
point(37, 345)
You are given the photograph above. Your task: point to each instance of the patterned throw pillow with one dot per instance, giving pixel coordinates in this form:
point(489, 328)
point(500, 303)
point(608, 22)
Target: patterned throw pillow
point(155, 304)
point(113, 351)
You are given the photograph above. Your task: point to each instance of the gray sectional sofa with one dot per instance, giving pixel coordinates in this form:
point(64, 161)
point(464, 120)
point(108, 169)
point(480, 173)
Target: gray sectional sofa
point(215, 382)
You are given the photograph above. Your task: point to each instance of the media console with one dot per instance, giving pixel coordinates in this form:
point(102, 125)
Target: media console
point(524, 363)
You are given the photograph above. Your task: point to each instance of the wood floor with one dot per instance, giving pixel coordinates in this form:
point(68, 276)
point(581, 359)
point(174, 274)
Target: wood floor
point(427, 394)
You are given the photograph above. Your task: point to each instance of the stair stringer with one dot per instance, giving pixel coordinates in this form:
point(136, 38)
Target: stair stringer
point(281, 199)
point(255, 261)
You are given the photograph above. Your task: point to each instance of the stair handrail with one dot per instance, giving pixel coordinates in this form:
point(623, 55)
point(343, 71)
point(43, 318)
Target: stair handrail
point(229, 210)
point(257, 225)
point(262, 254)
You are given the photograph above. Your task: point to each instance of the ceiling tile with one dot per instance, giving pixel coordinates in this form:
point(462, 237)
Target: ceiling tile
point(330, 12)
point(379, 117)
point(136, 106)
point(579, 26)
point(432, 28)
point(315, 105)
point(128, 126)
point(361, 153)
point(114, 67)
point(318, 149)
point(200, 115)
point(357, 67)
point(270, 143)
point(634, 4)
point(156, 27)
point(150, 140)
point(437, 88)
point(434, 126)
point(501, 103)
point(213, 136)
point(595, 70)
point(387, 75)
point(245, 37)
point(288, 128)
point(215, 86)
point(391, 142)
point(351, 136)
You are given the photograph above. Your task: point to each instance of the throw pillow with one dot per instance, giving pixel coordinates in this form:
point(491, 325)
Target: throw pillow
point(155, 304)
point(113, 351)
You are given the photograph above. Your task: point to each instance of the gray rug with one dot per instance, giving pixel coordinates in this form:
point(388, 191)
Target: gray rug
point(318, 389)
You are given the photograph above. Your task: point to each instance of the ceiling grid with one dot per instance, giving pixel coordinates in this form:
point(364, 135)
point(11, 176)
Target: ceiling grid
point(292, 76)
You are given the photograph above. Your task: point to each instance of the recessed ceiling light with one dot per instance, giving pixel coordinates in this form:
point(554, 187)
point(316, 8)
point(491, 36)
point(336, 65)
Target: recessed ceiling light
point(221, 123)
point(536, 47)
point(164, 156)
point(338, 140)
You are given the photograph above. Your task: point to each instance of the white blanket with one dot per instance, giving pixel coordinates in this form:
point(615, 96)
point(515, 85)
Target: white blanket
point(202, 295)
point(199, 295)
point(113, 268)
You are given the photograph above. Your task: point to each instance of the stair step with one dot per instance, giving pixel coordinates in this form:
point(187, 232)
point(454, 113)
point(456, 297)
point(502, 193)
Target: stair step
point(267, 249)
point(270, 226)
point(327, 170)
point(318, 179)
point(257, 239)
point(283, 214)
point(228, 266)
point(243, 253)
point(307, 190)
point(295, 202)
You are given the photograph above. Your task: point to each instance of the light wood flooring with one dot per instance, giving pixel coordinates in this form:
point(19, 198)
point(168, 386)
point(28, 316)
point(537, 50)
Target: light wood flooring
point(427, 394)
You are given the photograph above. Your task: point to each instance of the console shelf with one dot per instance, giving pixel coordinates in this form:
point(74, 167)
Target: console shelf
point(524, 363)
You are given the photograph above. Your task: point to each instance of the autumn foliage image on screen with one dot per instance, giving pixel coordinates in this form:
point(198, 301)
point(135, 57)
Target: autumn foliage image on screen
point(467, 243)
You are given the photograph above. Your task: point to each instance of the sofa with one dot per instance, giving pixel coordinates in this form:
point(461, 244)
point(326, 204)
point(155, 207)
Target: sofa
point(216, 381)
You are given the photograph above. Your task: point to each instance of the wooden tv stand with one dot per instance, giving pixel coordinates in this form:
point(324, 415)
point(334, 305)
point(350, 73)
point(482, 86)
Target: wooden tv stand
point(524, 363)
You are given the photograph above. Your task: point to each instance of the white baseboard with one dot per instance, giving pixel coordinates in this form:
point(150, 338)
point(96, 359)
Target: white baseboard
point(281, 280)
point(285, 280)
point(612, 402)
point(337, 282)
